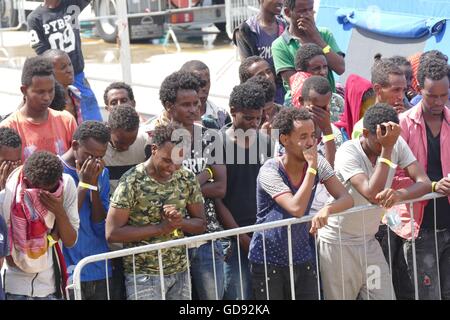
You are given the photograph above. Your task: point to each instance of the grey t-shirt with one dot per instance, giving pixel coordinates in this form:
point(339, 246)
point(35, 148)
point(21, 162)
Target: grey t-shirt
point(350, 161)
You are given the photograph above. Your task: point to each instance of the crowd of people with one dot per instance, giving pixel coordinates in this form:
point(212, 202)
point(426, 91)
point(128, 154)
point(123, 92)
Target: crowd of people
point(291, 143)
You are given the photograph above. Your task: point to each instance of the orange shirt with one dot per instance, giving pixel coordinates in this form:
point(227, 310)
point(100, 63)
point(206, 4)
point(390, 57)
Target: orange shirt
point(54, 135)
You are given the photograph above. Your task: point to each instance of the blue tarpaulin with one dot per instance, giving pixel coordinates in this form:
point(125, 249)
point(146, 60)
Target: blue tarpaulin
point(391, 24)
point(365, 27)
point(404, 19)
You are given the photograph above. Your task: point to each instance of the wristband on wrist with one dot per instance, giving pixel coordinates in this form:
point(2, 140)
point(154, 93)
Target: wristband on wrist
point(328, 137)
point(388, 162)
point(433, 186)
point(312, 171)
point(51, 241)
point(88, 186)
point(327, 49)
point(210, 173)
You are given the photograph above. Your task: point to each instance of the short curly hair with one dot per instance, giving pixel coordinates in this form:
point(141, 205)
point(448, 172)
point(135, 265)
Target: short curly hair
point(92, 129)
point(377, 114)
point(305, 53)
point(266, 85)
point(316, 83)
point(432, 68)
point(118, 86)
point(244, 74)
point(123, 117)
point(284, 120)
point(9, 138)
point(163, 133)
point(381, 70)
point(43, 169)
point(36, 67)
point(194, 65)
point(248, 96)
point(180, 80)
point(432, 54)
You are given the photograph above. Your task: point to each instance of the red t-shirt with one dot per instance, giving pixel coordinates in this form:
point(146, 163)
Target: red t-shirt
point(54, 135)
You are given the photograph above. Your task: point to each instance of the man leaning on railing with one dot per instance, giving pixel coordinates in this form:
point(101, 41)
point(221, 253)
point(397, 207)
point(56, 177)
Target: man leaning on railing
point(352, 263)
point(150, 205)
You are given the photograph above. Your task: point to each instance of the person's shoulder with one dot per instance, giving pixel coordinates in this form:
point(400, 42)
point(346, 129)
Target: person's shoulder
point(69, 183)
point(279, 43)
point(64, 116)
point(325, 31)
point(184, 174)
point(349, 147)
point(12, 118)
point(270, 164)
point(37, 13)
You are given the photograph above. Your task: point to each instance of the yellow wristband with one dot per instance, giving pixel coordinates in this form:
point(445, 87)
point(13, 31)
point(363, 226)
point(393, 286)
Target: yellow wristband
point(210, 173)
point(87, 186)
point(312, 171)
point(388, 162)
point(51, 241)
point(328, 137)
point(433, 186)
point(327, 49)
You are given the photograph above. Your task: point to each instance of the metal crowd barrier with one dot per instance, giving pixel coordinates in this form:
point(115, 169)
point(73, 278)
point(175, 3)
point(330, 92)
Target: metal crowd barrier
point(192, 241)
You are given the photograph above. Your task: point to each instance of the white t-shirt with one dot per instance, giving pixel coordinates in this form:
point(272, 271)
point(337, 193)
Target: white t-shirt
point(350, 161)
point(39, 284)
point(120, 162)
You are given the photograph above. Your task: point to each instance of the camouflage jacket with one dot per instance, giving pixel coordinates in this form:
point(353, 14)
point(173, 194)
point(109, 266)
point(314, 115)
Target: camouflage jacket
point(145, 197)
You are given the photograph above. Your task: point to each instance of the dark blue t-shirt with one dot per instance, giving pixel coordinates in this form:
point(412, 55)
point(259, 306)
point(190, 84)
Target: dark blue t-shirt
point(272, 182)
point(91, 236)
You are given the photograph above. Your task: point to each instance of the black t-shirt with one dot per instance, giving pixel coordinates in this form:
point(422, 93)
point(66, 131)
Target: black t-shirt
point(201, 155)
point(434, 172)
point(240, 198)
point(58, 28)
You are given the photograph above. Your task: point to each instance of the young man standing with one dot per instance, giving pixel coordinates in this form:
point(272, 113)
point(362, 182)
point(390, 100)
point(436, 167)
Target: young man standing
point(303, 30)
point(211, 176)
point(36, 268)
point(352, 263)
point(389, 84)
point(54, 25)
point(39, 127)
point(286, 189)
point(126, 149)
point(83, 162)
point(245, 151)
point(151, 204)
point(426, 129)
point(127, 145)
point(212, 116)
point(63, 71)
point(254, 37)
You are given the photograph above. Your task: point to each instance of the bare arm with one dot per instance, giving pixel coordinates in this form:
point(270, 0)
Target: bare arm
point(66, 231)
point(227, 220)
point(343, 201)
point(286, 74)
point(389, 197)
point(117, 230)
point(370, 187)
point(218, 188)
point(197, 222)
point(98, 211)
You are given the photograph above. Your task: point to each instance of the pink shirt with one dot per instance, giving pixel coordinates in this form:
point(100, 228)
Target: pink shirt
point(414, 132)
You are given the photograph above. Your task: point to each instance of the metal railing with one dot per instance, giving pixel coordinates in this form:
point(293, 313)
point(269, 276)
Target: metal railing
point(189, 242)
